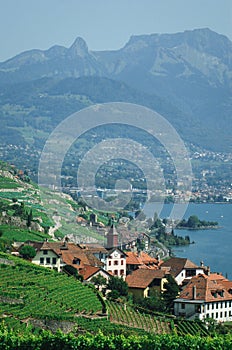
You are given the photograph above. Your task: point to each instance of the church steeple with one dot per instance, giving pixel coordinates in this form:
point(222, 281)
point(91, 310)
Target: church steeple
point(112, 237)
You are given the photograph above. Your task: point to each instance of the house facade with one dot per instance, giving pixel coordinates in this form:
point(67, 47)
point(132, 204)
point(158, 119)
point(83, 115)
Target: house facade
point(48, 258)
point(144, 282)
point(205, 297)
point(56, 255)
point(182, 269)
point(116, 262)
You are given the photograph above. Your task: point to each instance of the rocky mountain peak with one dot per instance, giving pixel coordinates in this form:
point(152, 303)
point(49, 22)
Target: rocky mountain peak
point(78, 48)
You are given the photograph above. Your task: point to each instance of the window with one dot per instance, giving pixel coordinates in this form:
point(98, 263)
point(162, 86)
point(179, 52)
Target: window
point(115, 272)
point(216, 305)
point(229, 303)
point(230, 313)
point(221, 304)
point(225, 313)
point(54, 261)
point(208, 306)
point(122, 256)
point(198, 309)
point(122, 261)
point(221, 314)
point(212, 315)
point(225, 303)
point(48, 260)
point(182, 305)
point(212, 306)
point(109, 263)
point(45, 252)
point(190, 273)
point(115, 262)
point(216, 315)
point(76, 261)
point(121, 272)
point(207, 315)
point(41, 260)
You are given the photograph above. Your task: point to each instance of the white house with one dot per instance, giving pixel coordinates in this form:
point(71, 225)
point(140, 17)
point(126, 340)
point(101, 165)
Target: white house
point(116, 262)
point(182, 269)
point(48, 255)
point(206, 297)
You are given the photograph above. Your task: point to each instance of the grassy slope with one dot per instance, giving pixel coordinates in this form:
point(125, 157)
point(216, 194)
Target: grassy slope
point(45, 205)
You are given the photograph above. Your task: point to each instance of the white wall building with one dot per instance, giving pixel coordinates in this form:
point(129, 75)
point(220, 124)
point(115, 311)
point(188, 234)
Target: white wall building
point(206, 297)
point(116, 263)
point(182, 269)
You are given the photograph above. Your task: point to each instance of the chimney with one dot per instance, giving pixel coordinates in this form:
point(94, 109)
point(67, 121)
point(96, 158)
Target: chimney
point(194, 292)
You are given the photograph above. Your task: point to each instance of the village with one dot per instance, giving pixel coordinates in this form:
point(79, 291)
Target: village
point(202, 294)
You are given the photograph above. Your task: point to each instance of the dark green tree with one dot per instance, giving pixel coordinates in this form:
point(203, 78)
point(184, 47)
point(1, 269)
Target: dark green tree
point(99, 281)
point(29, 218)
point(71, 271)
point(193, 221)
point(171, 291)
point(119, 285)
point(27, 252)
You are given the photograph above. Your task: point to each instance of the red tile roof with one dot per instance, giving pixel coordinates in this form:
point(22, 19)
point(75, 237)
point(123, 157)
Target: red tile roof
point(69, 252)
point(89, 271)
point(206, 288)
point(94, 248)
point(142, 278)
point(134, 258)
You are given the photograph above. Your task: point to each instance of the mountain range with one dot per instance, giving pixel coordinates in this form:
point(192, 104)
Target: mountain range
point(187, 77)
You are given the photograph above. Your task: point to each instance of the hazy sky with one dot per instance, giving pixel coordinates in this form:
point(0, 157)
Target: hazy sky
point(104, 24)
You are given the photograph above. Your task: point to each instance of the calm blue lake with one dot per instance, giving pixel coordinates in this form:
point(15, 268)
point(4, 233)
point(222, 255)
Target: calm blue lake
point(213, 247)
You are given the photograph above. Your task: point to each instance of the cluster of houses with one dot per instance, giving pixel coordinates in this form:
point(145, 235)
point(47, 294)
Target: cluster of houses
point(203, 294)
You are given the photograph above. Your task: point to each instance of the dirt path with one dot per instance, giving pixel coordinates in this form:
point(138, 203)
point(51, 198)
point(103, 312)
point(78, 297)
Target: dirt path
point(53, 229)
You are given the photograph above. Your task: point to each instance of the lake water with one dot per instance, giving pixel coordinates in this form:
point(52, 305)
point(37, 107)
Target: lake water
point(213, 246)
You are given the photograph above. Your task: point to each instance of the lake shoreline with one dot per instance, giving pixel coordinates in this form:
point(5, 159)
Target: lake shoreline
point(200, 228)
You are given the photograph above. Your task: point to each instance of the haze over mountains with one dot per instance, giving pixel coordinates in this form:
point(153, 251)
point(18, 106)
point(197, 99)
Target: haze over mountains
point(187, 77)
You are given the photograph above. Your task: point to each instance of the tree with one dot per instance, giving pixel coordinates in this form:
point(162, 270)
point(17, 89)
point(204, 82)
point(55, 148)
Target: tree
point(29, 218)
point(27, 252)
point(155, 302)
point(98, 281)
point(171, 291)
point(193, 221)
point(119, 285)
point(71, 271)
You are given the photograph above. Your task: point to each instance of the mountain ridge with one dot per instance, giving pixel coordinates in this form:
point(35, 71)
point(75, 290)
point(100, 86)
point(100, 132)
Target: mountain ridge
point(190, 70)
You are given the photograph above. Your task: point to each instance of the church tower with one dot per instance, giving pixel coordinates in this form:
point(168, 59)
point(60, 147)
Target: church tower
point(112, 237)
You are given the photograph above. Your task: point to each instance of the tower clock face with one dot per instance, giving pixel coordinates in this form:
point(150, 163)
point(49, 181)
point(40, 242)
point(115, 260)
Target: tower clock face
point(115, 254)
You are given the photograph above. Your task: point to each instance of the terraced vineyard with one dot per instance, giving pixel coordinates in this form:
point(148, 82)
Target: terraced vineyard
point(128, 316)
point(28, 291)
point(184, 327)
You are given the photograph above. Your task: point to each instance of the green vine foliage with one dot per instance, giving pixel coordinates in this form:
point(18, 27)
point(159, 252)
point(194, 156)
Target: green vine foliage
point(10, 340)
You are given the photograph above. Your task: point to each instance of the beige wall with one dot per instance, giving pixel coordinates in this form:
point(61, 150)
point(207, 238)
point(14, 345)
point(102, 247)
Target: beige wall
point(139, 292)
